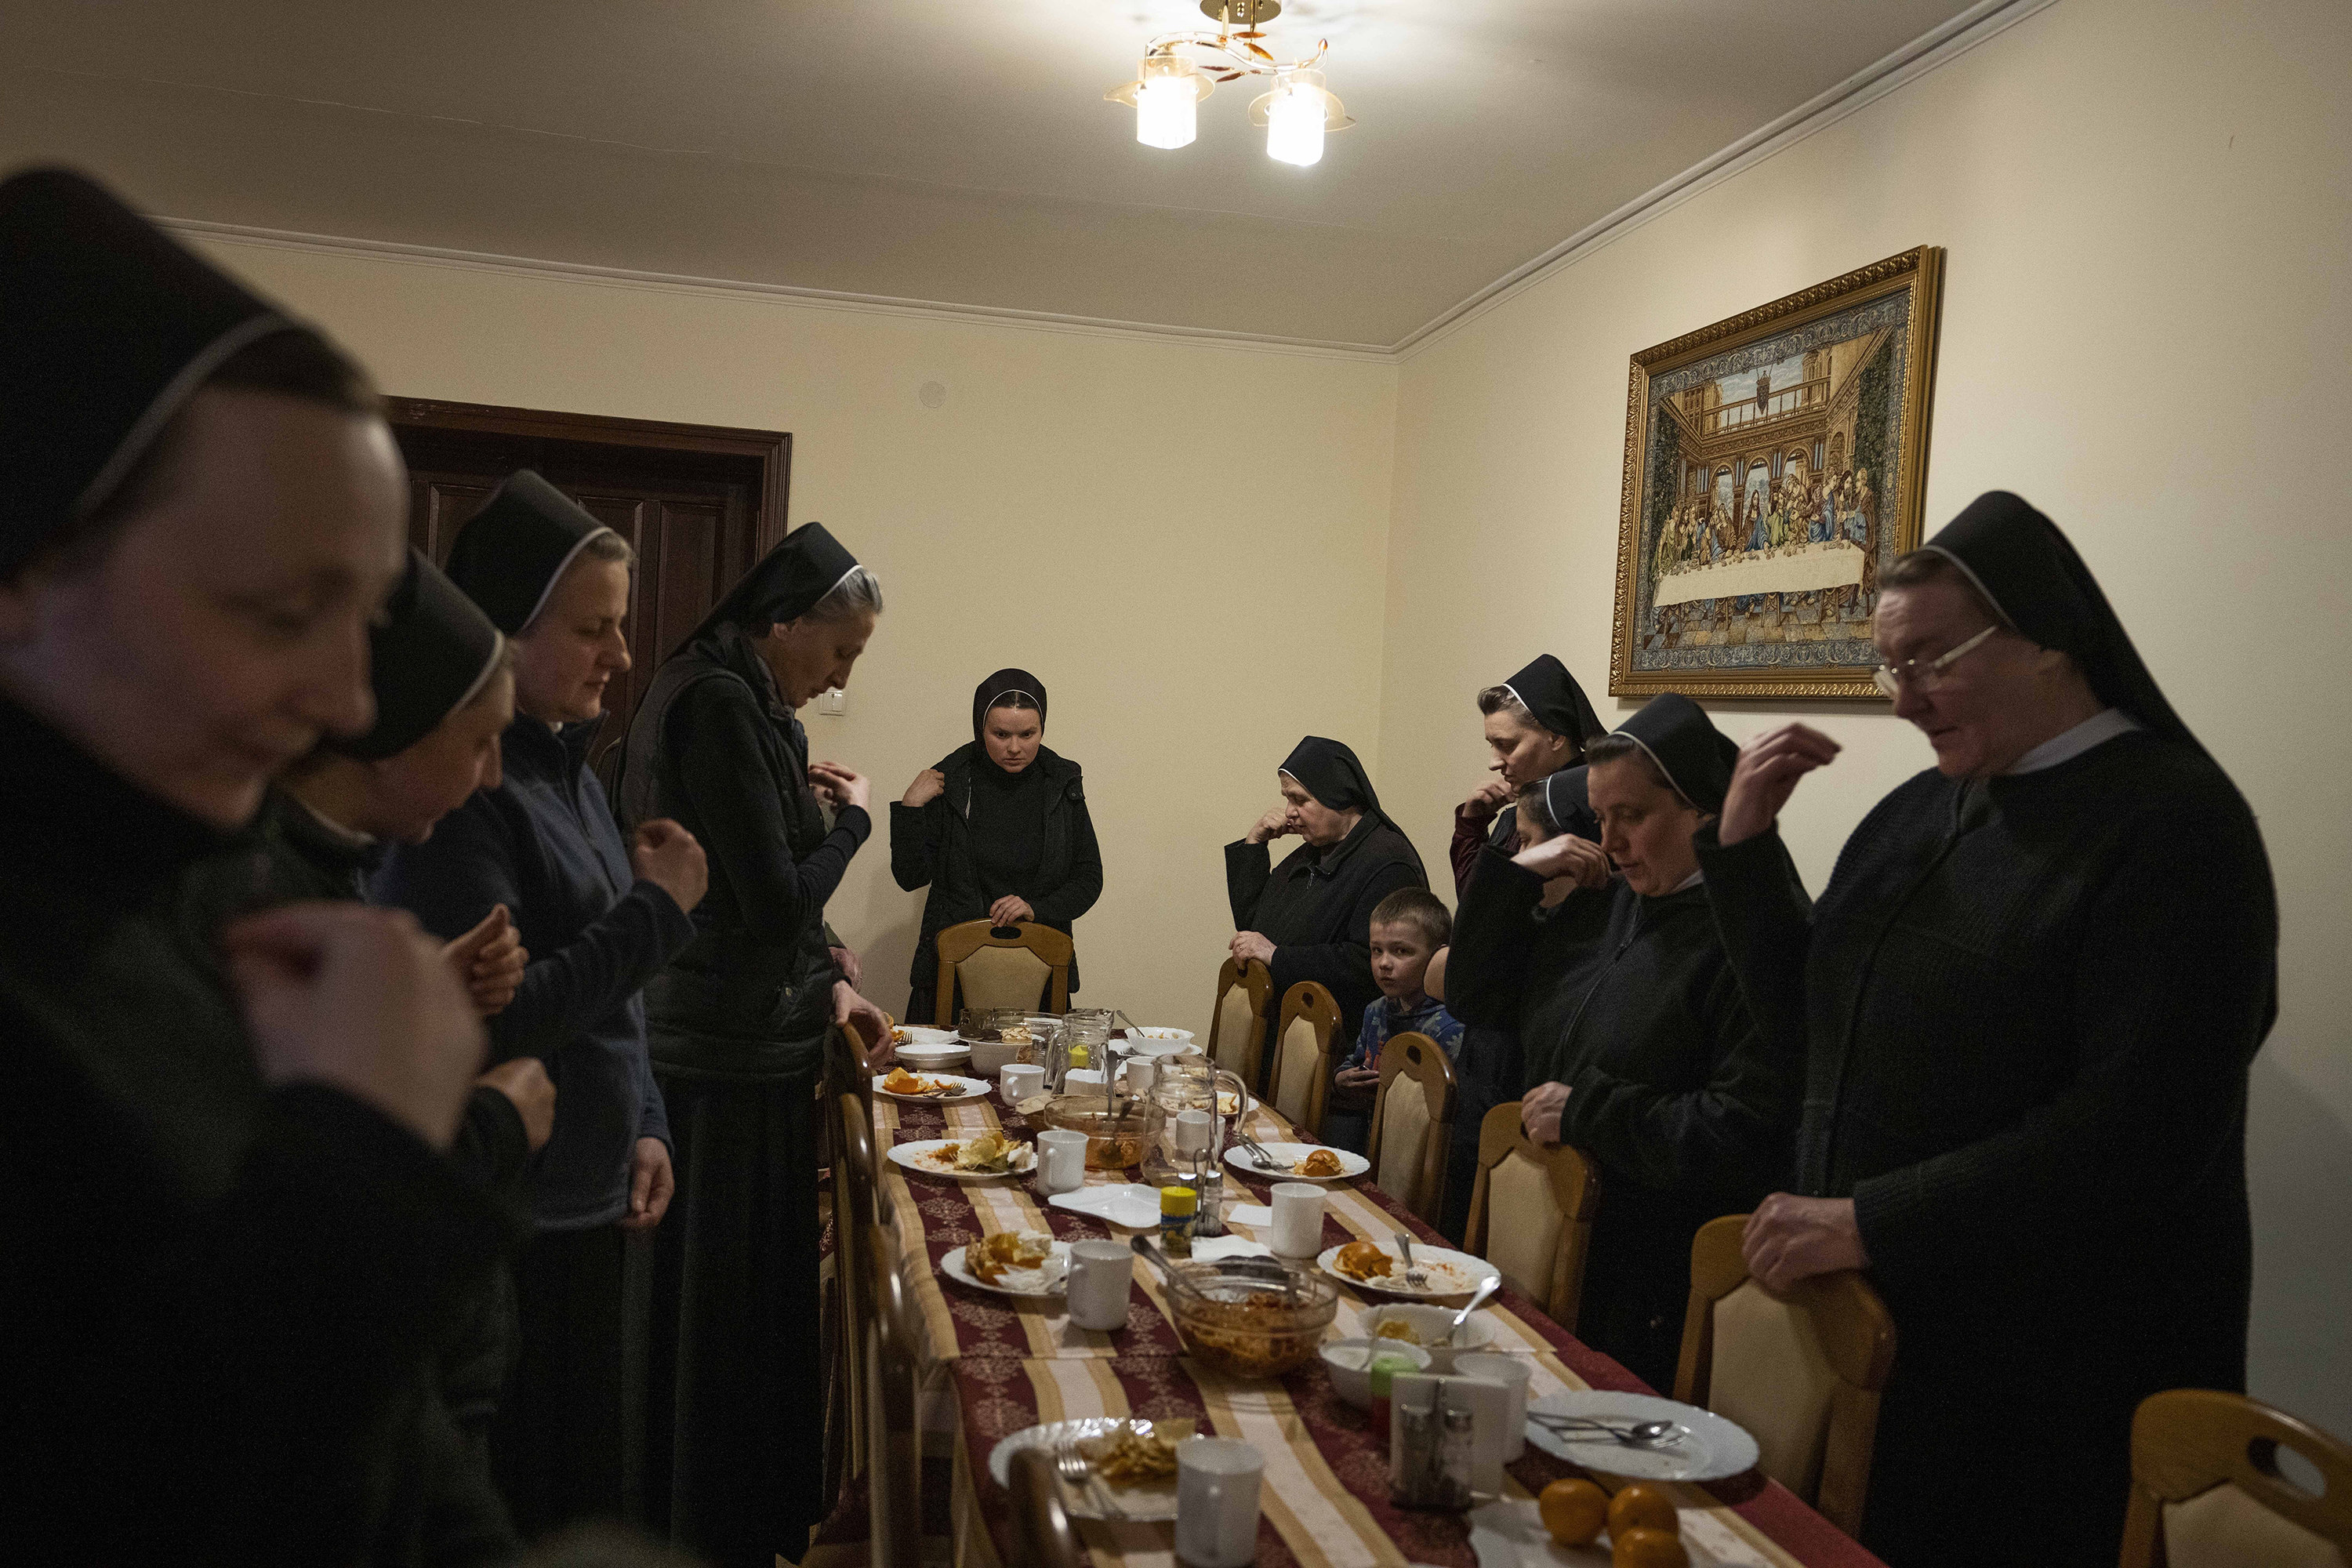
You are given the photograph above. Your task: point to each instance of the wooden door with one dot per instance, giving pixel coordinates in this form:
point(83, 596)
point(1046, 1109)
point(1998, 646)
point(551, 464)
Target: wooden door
point(698, 505)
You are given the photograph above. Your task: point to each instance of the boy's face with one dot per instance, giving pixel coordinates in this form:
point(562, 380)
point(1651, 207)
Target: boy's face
point(1401, 956)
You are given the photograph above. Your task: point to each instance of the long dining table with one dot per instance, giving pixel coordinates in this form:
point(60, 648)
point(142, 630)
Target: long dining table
point(1006, 1364)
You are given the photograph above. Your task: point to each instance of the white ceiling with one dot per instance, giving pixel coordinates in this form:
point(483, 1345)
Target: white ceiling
point(943, 151)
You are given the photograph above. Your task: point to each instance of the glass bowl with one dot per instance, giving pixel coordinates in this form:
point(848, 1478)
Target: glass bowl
point(1114, 1139)
point(1252, 1322)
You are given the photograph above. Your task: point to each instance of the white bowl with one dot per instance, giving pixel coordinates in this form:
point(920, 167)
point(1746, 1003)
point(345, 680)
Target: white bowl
point(1159, 1042)
point(1430, 1324)
point(989, 1056)
point(1349, 1364)
point(916, 1034)
point(933, 1056)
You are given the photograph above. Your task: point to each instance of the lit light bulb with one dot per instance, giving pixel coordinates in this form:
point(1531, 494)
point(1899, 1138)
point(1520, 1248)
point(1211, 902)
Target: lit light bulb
point(1167, 112)
point(1294, 125)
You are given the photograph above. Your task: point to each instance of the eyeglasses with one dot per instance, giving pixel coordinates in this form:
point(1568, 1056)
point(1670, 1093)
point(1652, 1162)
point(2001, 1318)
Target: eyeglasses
point(1892, 679)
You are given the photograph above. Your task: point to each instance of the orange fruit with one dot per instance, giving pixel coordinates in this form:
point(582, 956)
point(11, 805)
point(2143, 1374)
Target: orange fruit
point(1645, 1548)
point(1638, 1506)
point(1572, 1510)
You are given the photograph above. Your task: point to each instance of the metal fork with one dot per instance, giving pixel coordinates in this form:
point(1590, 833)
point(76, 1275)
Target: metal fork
point(1072, 1466)
point(1416, 1278)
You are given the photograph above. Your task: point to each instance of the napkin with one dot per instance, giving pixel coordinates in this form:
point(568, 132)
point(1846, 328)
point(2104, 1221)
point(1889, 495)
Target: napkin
point(1209, 1249)
point(1250, 1214)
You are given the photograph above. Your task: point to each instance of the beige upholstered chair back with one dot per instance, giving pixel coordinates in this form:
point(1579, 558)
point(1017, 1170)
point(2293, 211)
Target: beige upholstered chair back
point(2208, 1493)
point(1302, 1055)
point(1802, 1371)
point(1412, 1124)
point(1012, 966)
point(1532, 1213)
point(893, 1464)
point(1237, 1028)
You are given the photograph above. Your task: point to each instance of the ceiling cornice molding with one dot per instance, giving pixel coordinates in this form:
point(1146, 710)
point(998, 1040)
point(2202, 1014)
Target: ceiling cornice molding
point(822, 299)
point(1937, 46)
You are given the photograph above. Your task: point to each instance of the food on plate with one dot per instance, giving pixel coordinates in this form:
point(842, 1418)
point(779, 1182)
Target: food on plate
point(1641, 1547)
point(991, 1154)
point(1012, 1259)
point(1573, 1509)
point(1397, 1328)
point(1137, 1453)
point(1228, 1103)
point(1364, 1260)
point(1015, 1034)
point(1321, 1163)
point(901, 1081)
point(1642, 1507)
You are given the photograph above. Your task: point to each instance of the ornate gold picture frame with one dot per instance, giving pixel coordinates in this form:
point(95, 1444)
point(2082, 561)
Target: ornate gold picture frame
point(1774, 466)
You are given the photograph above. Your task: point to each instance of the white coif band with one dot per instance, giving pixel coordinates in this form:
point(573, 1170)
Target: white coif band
point(557, 575)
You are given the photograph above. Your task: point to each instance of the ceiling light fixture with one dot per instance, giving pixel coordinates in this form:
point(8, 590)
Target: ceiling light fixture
point(1167, 92)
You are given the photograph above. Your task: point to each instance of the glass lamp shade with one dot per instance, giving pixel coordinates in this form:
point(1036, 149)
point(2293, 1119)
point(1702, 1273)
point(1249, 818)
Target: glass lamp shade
point(1167, 112)
point(1294, 125)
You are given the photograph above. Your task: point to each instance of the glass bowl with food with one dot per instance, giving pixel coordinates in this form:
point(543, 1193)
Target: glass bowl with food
point(1115, 1139)
point(1251, 1316)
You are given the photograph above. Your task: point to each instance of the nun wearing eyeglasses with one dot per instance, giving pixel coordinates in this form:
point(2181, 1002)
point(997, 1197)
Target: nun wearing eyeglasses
point(1310, 917)
point(733, 1453)
point(998, 830)
point(2027, 999)
point(1659, 1075)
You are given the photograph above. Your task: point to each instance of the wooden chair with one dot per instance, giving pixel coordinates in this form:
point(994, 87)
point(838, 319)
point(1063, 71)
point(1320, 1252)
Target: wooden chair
point(1237, 1028)
point(1302, 1055)
point(893, 1458)
point(2206, 1491)
point(1043, 1535)
point(844, 1075)
point(1532, 1213)
point(858, 1208)
point(1412, 1124)
point(1802, 1371)
point(999, 970)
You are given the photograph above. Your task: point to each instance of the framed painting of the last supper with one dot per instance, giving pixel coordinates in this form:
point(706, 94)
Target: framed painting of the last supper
point(1775, 465)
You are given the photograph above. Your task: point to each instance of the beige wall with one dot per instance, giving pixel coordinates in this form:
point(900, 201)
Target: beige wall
point(1065, 509)
point(2145, 330)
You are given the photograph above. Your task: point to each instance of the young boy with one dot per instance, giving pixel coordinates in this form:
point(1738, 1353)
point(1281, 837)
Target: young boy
point(1408, 928)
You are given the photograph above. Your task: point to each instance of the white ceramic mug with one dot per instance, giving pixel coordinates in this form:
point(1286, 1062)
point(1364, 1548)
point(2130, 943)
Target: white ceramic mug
point(1511, 1371)
point(1217, 1481)
point(1018, 1080)
point(1061, 1160)
point(1192, 1131)
point(1100, 1275)
point(1141, 1073)
point(1297, 1229)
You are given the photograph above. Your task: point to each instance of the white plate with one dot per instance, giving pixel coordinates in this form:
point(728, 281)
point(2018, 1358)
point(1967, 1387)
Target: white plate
point(918, 1058)
point(1057, 1269)
point(924, 1038)
point(1155, 1502)
point(1710, 1450)
point(966, 1089)
point(1470, 1271)
point(1118, 1203)
point(1241, 1160)
point(910, 1156)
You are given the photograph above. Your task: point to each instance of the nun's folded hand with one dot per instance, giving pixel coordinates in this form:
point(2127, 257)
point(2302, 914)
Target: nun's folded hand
point(928, 785)
point(361, 1000)
point(488, 962)
point(1011, 909)
point(667, 855)
point(1249, 945)
point(1766, 775)
point(651, 1183)
point(840, 785)
point(1541, 1110)
point(1272, 826)
point(1564, 855)
point(1790, 1238)
point(1487, 799)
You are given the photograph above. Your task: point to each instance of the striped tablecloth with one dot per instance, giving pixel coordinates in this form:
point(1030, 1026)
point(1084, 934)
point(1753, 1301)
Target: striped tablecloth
point(1013, 1363)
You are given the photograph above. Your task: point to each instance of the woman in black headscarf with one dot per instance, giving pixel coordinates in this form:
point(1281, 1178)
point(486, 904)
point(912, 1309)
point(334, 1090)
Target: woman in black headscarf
point(1310, 917)
point(2027, 996)
point(1517, 938)
point(734, 1445)
point(998, 828)
point(234, 1229)
point(1657, 1073)
point(1537, 724)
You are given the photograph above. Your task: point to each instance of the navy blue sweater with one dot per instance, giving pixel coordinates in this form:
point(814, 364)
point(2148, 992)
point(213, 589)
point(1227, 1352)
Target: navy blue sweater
point(545, 845)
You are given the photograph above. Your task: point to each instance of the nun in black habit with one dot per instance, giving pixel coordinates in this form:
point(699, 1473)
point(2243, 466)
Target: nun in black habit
point(1658, 1075)
point(233, 1229)
point(2027, 999)
point(998, 829)
point(1515, 937)
point(733, 1465)
point(1310, 917)
point(1538, 723)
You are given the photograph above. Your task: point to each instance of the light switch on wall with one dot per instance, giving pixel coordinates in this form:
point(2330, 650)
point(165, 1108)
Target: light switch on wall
point(834, 702)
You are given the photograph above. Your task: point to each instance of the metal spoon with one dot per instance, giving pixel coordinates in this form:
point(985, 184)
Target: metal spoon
point(1637, 1435)
point(1486, 1287)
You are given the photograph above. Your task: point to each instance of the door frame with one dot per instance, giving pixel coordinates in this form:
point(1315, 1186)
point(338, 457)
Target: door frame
point(770, 449)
